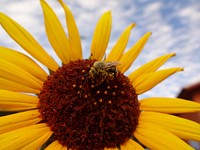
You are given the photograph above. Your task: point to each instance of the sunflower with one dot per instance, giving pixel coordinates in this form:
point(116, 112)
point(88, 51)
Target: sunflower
point(86, 104)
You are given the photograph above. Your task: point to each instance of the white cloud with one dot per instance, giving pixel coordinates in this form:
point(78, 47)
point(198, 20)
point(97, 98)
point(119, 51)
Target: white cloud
point(190, 14)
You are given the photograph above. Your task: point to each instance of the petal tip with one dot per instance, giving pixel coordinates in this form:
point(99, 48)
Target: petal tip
point(173, 54)
point(149, 33)
point(108, 13)
point(178, 69)
point(2, 15)
point(132, 25)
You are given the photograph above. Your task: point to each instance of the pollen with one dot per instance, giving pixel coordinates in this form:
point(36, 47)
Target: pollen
point(108, 87)
point(101, 100)
point(109, 102)
point(98, 92)
point(84, 115)
point(113, 93)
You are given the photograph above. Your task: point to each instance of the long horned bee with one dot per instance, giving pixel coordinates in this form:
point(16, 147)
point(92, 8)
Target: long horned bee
point(102, 70)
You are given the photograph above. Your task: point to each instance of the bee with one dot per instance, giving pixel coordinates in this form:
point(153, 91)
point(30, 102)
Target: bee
point(103, 71)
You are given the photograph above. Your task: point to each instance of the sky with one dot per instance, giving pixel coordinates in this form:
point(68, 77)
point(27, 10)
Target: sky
point(175, 27)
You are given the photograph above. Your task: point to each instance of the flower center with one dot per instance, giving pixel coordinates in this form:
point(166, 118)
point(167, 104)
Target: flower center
point(89, 108)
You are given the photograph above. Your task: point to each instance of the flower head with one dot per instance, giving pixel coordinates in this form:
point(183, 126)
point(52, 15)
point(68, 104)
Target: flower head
point(86, 104)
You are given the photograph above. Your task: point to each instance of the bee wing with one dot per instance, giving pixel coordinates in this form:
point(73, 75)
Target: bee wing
point(111, 64)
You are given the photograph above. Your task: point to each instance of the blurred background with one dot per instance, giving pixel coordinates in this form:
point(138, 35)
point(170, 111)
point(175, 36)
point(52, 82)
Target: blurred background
point(175, 26)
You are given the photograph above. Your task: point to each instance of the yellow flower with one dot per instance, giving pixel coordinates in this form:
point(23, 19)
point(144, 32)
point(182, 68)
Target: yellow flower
point(86, 104)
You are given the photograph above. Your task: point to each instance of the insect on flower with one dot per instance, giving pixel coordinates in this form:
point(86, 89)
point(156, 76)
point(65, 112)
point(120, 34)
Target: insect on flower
point(103, 70)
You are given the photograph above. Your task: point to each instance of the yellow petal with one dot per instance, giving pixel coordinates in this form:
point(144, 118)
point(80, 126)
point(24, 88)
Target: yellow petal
point(23, 62)
point(128, 58)
point(74, 37)
point(18, 117)
point(131, 145)
point(27, 42)
point(17, 87)
point(183, 128)
point(101, 36)
point(168, 105)
point(55, 145)
point(14, 73)
point(22, 137)
point(150, 80)
point(12, 106)
point(120, 46)
point(56, 34)
point(157, 138)
point(149, 67)
point(35, 145)
point(18, 120)
point(10, 96)
point(10, 101)
point(18, 125)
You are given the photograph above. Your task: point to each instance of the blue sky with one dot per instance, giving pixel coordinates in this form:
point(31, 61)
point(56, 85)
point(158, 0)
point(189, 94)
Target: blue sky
point(175, 26)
